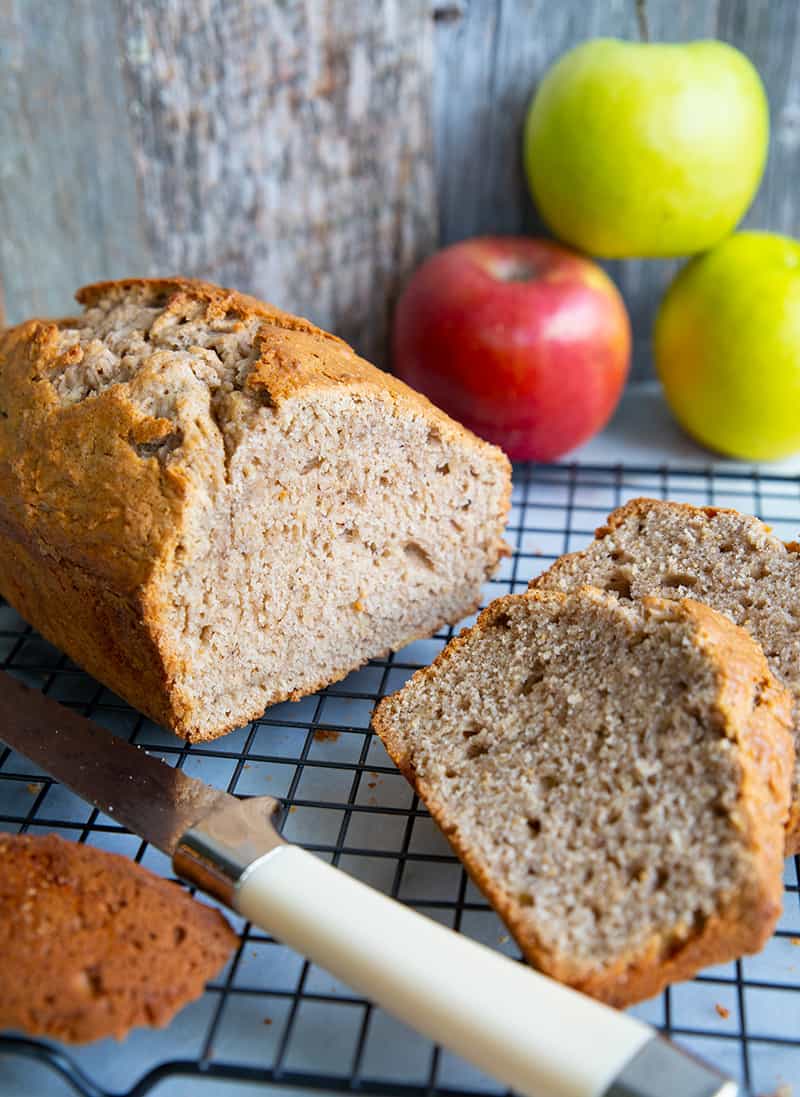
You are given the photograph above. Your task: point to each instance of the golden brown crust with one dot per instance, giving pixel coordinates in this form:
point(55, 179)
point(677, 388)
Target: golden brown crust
point(761, 733)
point(94, 944)
point(639, 507)
point(88, 528)
point(106, 632)
point(63, 495)
point(296, 355)
point(218, 299)
point(642, 504)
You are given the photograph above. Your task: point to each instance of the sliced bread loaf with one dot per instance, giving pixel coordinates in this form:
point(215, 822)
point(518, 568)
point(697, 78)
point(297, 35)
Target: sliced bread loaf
point(213, 505)
point(728, 560)
point(614, 777)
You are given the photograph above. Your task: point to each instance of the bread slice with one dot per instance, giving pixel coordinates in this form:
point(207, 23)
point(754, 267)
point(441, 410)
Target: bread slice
point(614, 777)
point(95, 945)
point(212, 505)
point(728, 560)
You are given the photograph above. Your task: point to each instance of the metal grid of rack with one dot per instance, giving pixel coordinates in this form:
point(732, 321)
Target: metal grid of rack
point(272, 1018)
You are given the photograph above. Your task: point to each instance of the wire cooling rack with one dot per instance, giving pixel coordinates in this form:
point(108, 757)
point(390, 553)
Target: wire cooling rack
point(274, 1020)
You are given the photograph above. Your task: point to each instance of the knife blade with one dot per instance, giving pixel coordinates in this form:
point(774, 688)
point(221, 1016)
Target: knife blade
point(149, 797)
point(211, 836)
point(507, 1019)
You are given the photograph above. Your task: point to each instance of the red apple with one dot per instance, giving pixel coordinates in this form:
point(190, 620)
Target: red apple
point(523, 341)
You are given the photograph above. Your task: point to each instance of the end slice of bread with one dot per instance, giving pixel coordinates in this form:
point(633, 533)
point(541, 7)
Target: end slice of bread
point(95, 944)
point(727, 560)
point(614, 777)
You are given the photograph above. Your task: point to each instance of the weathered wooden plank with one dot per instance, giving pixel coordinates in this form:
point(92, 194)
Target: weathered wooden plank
point(488, 63)
point(68, 204)
point(286, 148)
point(769, 33)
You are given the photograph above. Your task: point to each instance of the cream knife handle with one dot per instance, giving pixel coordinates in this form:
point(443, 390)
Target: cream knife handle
point(535, 1035)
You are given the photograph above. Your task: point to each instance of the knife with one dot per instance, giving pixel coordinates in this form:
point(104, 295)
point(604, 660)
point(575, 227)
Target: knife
point(541, 1038)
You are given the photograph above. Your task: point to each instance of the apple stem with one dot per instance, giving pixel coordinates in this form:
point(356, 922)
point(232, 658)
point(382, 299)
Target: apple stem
point(641, 18)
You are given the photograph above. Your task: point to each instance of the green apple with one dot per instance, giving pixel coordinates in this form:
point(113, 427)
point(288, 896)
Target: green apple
point(639, 149)
point(727, 346)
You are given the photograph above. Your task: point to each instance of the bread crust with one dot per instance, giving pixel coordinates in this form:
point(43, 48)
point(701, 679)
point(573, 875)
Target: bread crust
point(95, 944)
point(89, 529)
point(640, 507)
point(745, 919)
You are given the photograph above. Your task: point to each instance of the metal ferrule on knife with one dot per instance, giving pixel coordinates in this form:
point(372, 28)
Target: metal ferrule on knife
point(217, 853)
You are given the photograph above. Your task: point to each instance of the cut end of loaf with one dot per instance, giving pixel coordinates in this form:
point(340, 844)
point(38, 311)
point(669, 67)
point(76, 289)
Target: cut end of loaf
point(593, 765)
point(284, 511)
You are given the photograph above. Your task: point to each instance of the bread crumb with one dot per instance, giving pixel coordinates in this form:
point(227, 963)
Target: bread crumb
point(504, 938)
point(267, 1020)
point(292, 809)
point(722, 1011)
point(794, 940)
point(358, 606)
point(321, 735)
point(34, 788)
point(371, 784)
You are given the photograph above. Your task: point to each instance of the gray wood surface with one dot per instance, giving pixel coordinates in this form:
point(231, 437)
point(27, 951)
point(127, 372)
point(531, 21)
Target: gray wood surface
point(311, 151)
point(284, 148)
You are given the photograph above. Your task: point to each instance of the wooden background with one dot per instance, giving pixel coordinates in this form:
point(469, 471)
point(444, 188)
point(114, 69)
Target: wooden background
point(311, 151)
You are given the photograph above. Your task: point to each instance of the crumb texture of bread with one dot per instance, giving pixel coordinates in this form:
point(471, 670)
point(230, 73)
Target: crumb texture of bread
point(213, 505)
point(729, 561)
point(95, 945)
point(615, 778)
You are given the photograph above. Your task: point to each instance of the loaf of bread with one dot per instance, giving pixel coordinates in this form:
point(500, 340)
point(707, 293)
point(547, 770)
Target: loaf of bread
point(614, 777)
point(728, 560)
point(94, 945)
point(212, 505)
